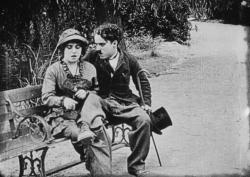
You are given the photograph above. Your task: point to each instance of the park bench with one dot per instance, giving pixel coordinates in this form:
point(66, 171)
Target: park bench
point(25, 134)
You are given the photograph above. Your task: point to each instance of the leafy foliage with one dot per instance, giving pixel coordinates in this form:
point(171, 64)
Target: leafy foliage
point(157, 18)
point(29, 33)
point(227, 10)
point(29, 29)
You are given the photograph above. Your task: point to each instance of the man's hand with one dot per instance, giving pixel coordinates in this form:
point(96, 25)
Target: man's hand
point(69, 103)
point(147, 108)
point(81, 94)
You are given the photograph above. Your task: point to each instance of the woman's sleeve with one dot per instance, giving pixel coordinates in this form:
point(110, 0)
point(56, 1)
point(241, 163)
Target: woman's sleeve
point(49, 97)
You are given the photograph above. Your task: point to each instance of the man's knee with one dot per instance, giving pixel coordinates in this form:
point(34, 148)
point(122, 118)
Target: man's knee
point(93, 98)
point(144, 120)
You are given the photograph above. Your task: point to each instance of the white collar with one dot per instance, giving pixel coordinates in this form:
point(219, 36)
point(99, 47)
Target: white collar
point(115, 56)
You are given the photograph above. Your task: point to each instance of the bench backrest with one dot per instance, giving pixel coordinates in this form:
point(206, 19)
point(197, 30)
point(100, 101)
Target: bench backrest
point(26, 101)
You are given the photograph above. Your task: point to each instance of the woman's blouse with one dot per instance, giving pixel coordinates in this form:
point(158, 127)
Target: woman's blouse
point(59, 82)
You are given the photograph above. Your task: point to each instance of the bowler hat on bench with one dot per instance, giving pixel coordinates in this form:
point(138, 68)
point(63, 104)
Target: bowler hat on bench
point(160, 119)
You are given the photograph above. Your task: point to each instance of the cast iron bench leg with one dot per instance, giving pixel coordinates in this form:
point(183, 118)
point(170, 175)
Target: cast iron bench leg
point(120, 130)
point(36, 163)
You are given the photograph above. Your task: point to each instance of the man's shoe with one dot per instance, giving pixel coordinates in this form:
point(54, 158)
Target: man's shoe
point(86, 135)
point(139, 173)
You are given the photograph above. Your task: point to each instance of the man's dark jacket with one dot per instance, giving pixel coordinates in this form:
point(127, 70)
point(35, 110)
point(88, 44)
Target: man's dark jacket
point(118, 85)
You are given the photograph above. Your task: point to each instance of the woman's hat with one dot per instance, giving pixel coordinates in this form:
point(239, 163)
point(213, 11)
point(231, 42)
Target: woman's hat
point(160, 119)
point(71, 34)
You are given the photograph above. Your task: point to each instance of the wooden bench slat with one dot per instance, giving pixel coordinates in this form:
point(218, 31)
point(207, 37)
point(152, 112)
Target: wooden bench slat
point(21, 94)
point(12, 153)
point(20, 150)
point(39, 110)
point(5, 136)
point(5, 116)
point(11, 144)
point(3, 109)
point(3, 102)
point(8, 135)
point(25, 143)
point(4, 127)
point(28, 148)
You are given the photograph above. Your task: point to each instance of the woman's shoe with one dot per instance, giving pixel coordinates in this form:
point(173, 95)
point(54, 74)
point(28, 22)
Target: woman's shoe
point(86, 135)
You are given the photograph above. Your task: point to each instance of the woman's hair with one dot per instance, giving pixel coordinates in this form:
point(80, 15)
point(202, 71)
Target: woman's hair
point(109, 31)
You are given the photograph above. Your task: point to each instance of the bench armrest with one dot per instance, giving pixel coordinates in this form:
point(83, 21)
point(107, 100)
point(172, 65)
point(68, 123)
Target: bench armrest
point(39, 130)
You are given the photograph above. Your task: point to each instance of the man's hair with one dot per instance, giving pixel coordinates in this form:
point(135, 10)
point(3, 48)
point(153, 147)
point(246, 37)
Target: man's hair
point(109, 31)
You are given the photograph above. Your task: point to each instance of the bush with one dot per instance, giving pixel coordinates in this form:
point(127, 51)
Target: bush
point(38, 24)
point(143, 46)
point(168, 19)
point(143, 43)
point(245, 12)
point(21, 66)
point(32, 36)
point(216, 9)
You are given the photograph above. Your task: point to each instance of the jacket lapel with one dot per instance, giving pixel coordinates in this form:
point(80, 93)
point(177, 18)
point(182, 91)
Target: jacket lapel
point(120, 61)
point(104, 65)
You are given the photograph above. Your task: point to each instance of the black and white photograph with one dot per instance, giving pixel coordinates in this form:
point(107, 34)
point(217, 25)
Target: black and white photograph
point(125, 88)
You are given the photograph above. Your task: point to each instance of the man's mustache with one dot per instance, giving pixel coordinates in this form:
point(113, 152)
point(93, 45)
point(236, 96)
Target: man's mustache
point(99, 52)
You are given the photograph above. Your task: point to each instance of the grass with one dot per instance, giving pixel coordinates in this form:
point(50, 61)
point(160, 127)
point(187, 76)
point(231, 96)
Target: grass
point(150, 58)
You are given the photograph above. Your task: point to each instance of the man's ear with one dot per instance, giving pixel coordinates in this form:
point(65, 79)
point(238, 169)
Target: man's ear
point(115, 43)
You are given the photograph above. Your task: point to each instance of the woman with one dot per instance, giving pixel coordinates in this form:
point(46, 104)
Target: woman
point(77, 112)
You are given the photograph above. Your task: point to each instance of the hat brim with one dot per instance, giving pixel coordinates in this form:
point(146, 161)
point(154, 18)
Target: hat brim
point(73, 37)
point(156, 130)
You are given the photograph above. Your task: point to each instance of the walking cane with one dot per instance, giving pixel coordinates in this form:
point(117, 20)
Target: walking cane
point(143, 103)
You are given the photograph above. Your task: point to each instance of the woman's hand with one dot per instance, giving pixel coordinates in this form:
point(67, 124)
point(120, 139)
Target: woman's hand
point(69, 103)
point(81, 94)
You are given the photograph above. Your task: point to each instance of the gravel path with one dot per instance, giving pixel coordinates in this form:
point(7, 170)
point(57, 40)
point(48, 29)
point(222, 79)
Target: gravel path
point(206, 94)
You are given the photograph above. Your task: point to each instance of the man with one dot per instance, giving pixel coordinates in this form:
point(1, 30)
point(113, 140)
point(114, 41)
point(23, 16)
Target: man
point(114, 68)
